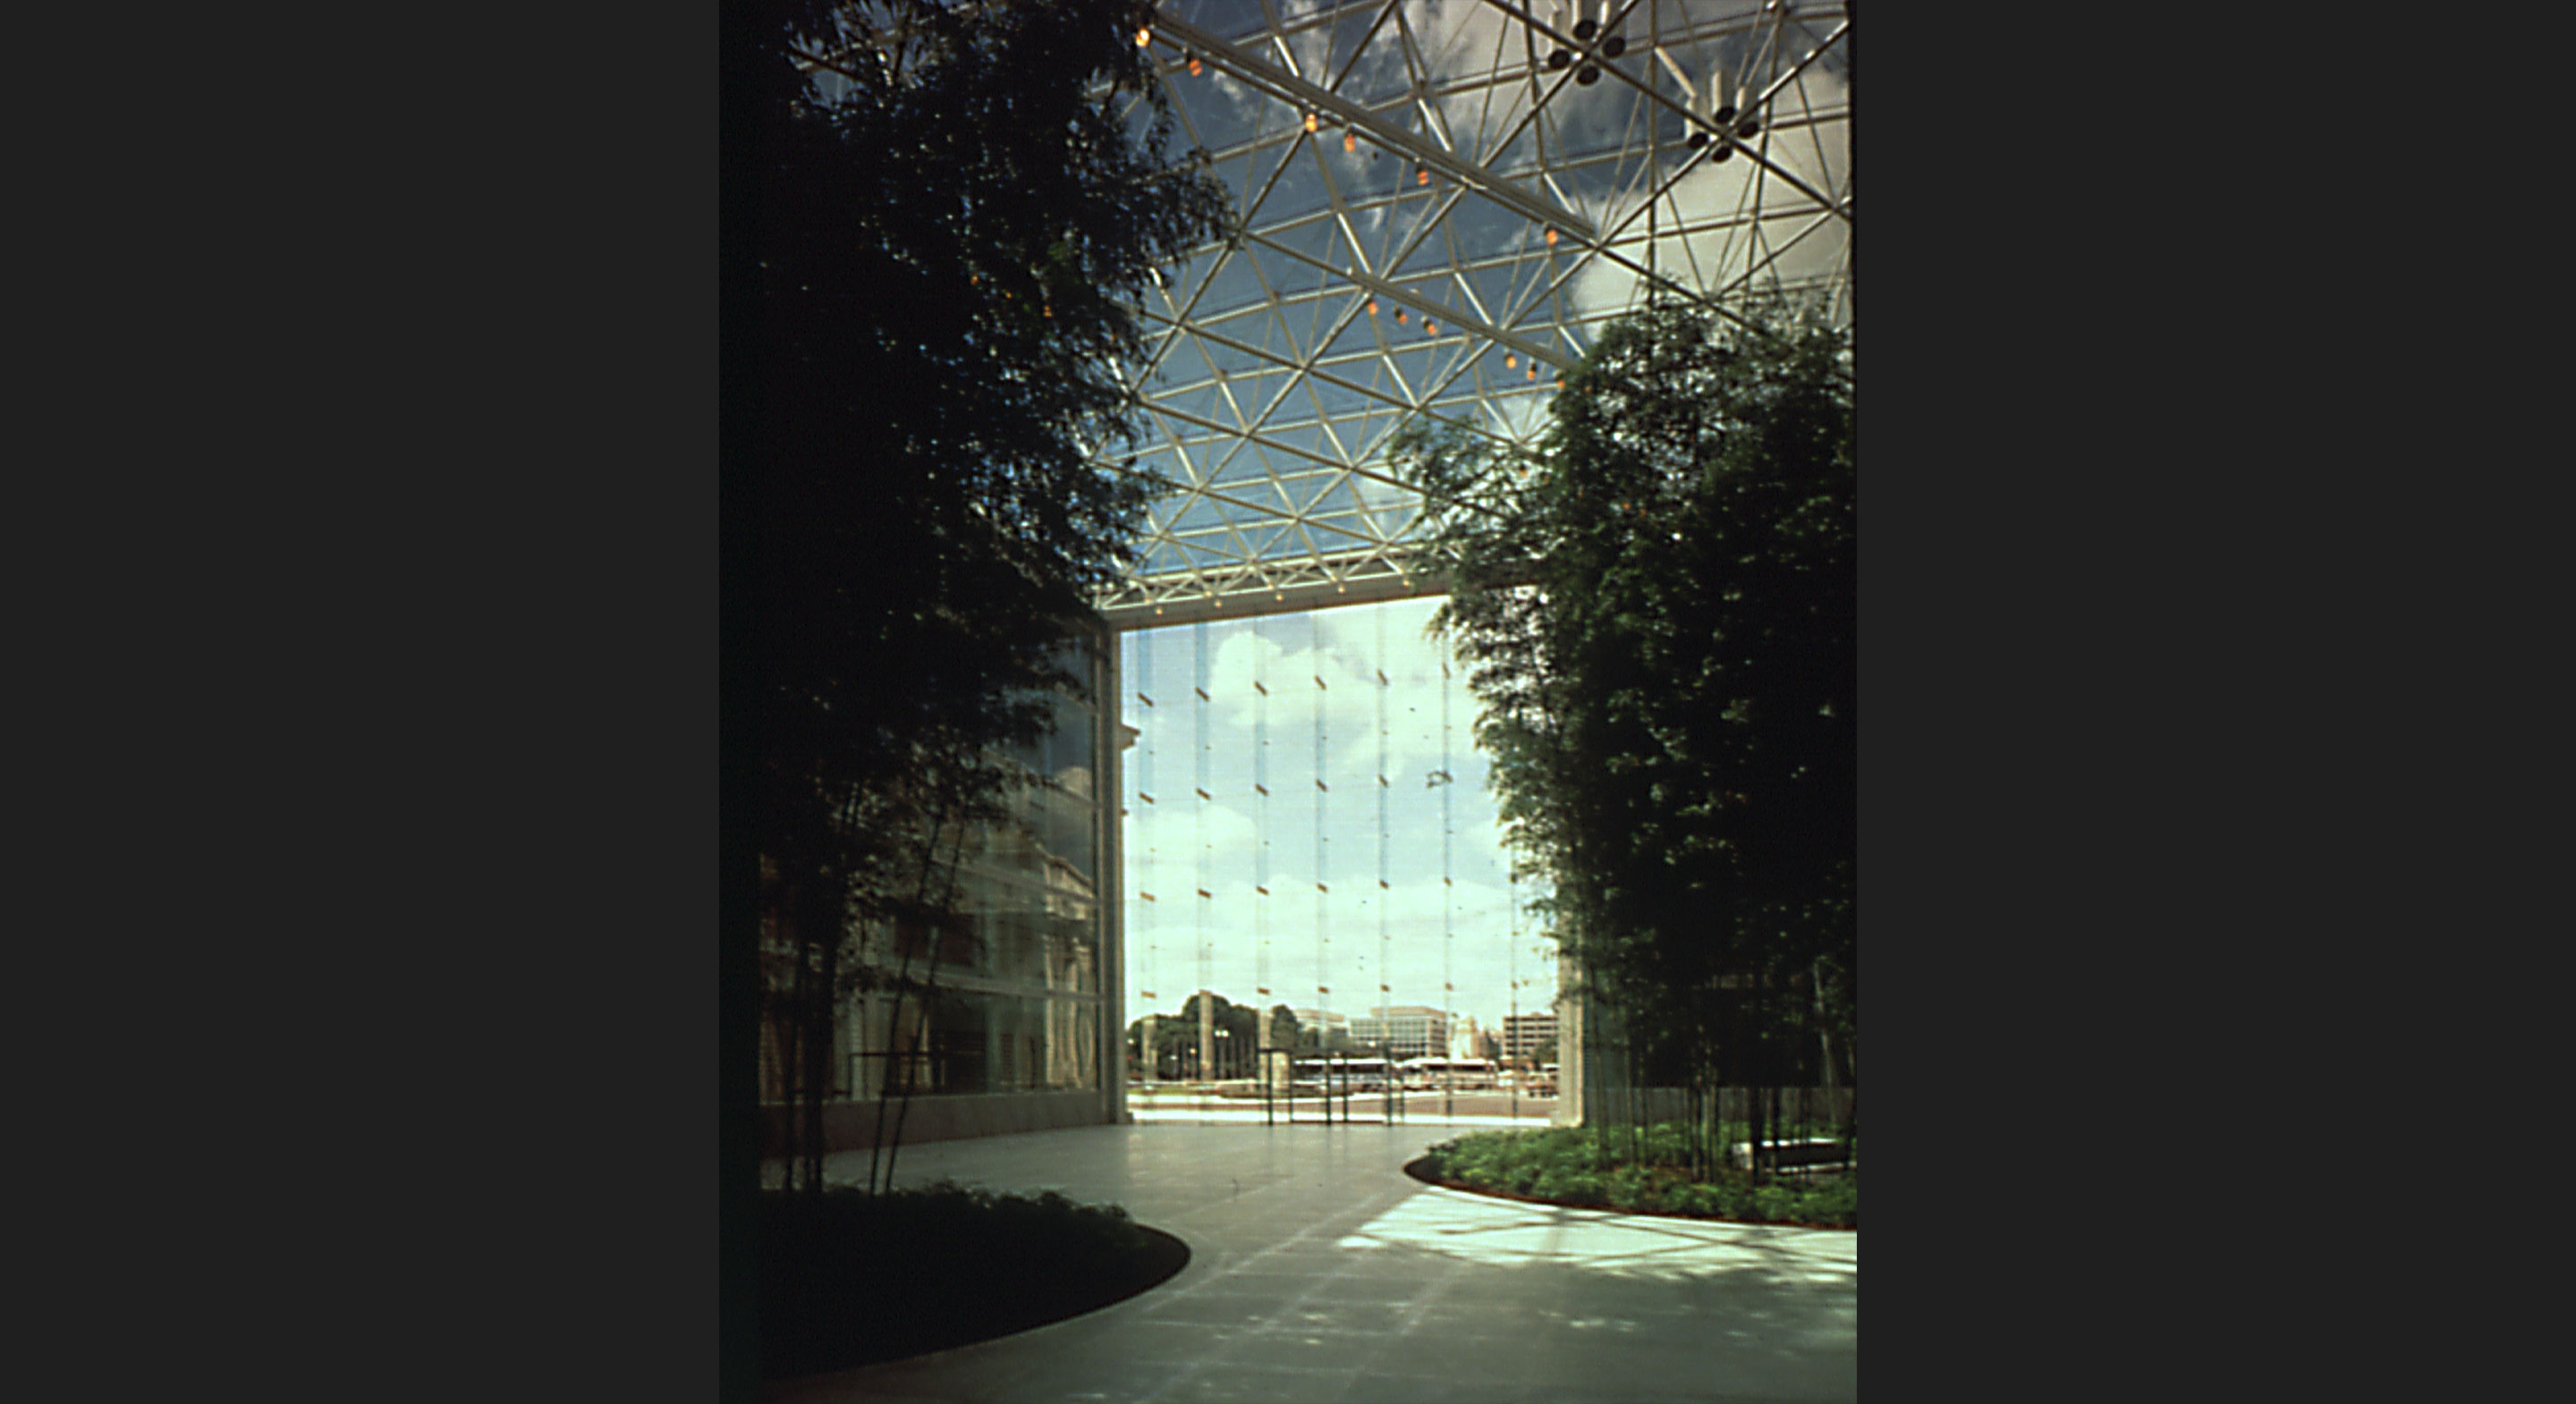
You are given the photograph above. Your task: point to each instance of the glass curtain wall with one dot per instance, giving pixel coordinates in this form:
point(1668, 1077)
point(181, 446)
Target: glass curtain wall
point(1310, 845)
point(1020, 971)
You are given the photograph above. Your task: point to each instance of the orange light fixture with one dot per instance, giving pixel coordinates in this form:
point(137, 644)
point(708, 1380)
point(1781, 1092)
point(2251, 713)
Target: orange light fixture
point(1399, 316)
point(1511, 362)
point(1372, 307)
point(1551, 238)
point(1194, 65)
point(1422, 176)
point(1430, 326)
point(1144, 37)
point(1310, 121)
point(1350, 142)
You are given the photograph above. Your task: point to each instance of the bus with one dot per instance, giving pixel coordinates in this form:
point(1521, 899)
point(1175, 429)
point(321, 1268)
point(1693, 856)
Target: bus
point(1341, 1074)
point(1434, 1074)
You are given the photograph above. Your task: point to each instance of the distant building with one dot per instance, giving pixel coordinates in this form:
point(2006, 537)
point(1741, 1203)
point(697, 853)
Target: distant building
point(1319, 1029)
point(1466, 1040)
point(1523, 1033)
point(1405, 1030)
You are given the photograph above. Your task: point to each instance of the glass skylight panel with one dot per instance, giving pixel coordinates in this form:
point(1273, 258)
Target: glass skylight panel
point(1450, 153)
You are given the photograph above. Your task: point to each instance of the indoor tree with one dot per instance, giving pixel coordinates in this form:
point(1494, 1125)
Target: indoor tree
point(943, 215)
point(1657, 607)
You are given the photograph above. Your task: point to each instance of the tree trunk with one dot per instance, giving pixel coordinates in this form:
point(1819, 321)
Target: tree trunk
point(898, 1073)
point(791, 1041)
point(1755, 1128)
point(930, 986)
point(819, 1070)
point(818, 910)
point(1828, 1074)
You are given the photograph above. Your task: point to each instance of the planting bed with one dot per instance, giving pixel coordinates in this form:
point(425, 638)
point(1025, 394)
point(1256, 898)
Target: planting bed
point(853, 1279)
point(1564, 1166)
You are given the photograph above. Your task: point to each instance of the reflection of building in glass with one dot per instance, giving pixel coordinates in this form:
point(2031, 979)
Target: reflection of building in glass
point(1016, 1036)
point(1523, 1033)
point(1406, 1030)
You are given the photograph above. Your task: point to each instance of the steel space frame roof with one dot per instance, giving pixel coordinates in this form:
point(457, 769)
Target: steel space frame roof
point(1436, 215)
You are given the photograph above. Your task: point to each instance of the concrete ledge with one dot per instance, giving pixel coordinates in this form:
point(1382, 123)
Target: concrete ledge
point(853, 1125)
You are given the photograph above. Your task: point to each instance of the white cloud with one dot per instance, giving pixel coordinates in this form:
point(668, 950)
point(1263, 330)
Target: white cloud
point(1819, 155)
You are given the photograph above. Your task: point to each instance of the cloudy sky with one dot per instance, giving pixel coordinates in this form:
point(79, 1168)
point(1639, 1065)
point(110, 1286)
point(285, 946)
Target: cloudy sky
point(1415, 934)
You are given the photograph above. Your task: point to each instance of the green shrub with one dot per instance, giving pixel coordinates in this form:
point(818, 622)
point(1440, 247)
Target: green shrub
point(1643, 1189)
point(1724, 1199)
point(1571, 1185)
point(1572, 1165)
point(1776, 1203)
point(1833, 1200)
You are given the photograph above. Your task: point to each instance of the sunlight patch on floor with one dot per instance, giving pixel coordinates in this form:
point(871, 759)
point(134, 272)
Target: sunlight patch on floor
point(1504, 1233)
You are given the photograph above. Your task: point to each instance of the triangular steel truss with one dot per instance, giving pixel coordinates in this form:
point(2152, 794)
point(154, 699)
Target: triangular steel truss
point(1436, 216)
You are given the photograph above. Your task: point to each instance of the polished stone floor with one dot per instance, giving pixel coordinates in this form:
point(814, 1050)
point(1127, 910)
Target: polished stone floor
point(1320, 1272)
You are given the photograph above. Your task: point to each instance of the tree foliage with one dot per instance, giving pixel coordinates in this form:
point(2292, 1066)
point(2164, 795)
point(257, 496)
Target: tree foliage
point(1657, 611)
point(1176, 1037)
point(957, 206)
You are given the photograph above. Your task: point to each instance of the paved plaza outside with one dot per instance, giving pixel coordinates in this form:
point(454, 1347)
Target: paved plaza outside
point(1320, 1272)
